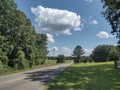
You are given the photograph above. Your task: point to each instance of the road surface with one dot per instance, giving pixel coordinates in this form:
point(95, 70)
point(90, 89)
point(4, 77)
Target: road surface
point(31, 80)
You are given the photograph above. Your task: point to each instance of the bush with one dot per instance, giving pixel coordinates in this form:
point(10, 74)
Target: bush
point(113, 55)
point(76, 60)
point(1, 66)
point(4, 60)
point(20, 61)
point(39, 61)
point(60, 59)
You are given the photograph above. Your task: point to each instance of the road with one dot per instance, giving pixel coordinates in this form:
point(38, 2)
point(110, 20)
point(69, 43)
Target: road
point(31, 80)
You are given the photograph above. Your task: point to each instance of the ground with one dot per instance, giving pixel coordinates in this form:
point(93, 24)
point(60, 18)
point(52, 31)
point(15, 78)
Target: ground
point(90, 76)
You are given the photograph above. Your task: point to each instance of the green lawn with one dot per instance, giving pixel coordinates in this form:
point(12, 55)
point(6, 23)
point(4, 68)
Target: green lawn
point(90, 76)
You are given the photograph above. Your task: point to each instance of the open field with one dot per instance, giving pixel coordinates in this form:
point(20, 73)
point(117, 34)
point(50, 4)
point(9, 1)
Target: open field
point(90, 76)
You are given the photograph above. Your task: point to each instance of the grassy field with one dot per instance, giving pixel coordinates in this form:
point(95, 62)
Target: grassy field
point(90, 76)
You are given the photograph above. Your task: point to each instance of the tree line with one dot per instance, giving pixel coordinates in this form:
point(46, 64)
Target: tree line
point(101, 53)
point(20, 45)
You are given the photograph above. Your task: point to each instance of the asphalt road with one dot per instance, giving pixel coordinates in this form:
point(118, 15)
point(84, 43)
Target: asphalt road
point(31, 80)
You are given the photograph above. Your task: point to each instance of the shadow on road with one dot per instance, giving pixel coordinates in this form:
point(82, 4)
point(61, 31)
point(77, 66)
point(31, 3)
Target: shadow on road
point(44, 76)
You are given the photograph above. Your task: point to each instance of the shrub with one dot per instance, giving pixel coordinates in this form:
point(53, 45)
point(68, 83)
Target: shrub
point(76, 60)
point(1, 66)
point(4, 60)
point(20, 61)
point(60, 59)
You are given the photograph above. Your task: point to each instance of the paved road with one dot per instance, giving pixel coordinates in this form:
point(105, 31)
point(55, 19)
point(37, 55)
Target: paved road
point(31, 80)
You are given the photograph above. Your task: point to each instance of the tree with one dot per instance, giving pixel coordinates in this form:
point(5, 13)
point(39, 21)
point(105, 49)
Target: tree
point(78, 52)
point(60, 58)
point(41, 49)
point(19, 43)
point(112, 14)
point(85, 59)
point(113, 54)
point(103, 53)
point(100, 53)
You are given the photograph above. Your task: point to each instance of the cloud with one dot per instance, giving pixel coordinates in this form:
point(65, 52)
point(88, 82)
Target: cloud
point(50, 38)
point(56, 21)
point(103, 34)
point(53, 51)
point(66, 51)
point(88, 51)
point(94, 22)
point(89, 0)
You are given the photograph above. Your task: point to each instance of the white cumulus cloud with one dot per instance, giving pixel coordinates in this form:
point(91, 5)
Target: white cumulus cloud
point(103, 34)
point(66, 51)
point(56, 21)
point(53, 51)
point(94, 22)
point(50, 38)
point(88, 51)
point(89, 0)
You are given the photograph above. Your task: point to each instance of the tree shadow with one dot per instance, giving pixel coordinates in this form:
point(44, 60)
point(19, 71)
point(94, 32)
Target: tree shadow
point(44, 76)
point(96, 77)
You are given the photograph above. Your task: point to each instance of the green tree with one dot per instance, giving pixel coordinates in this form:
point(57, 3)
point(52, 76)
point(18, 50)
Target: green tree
point(101, 53)
point(85, 59)
point(41, 49)
point(78, 52)
point(19, 43)
point(1, 66)
point(60, 58)
point(111, 13)
point(113, 54)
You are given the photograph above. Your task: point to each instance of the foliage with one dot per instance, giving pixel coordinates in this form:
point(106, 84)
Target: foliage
point(113, 54)
point(85, 59)
point(102, 53)
point(1, 66)
point(20, 45)
point(111, 13)
point(78, 52)
point(60, 59)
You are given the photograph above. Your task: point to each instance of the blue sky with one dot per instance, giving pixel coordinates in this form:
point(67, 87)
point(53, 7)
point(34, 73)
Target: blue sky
point(69, 23)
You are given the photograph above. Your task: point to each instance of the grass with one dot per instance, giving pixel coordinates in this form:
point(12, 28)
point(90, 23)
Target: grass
point(46, 64)
point(90, 76)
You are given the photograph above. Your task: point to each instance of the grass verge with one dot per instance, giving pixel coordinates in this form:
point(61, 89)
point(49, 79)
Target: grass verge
point(89, 76)
point(46, 64)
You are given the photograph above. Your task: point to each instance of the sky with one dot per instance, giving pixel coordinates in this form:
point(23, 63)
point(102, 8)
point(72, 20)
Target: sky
point(68, 23)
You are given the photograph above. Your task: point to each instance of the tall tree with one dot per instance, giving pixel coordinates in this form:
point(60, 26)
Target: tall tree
point(112, 15)
point(113, 54)
point(103, 53)
point(20, 45)
point(41, 49)
point(78, 52)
